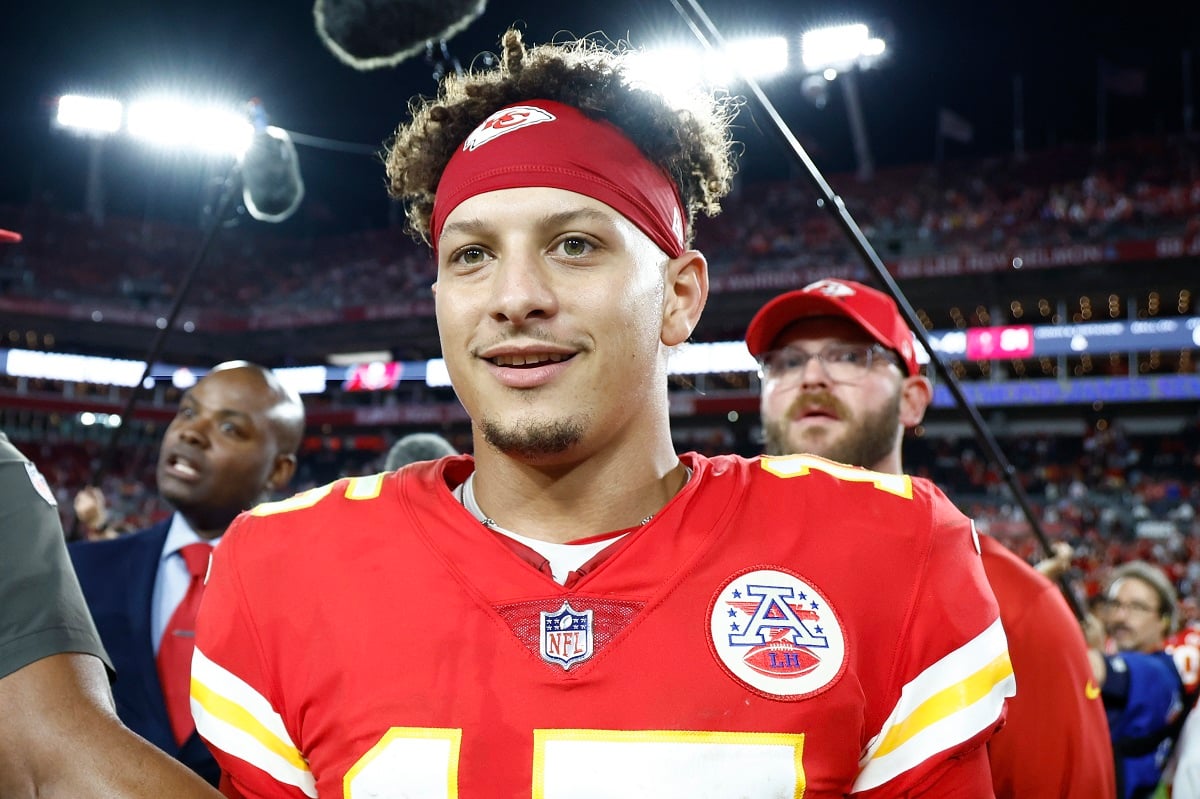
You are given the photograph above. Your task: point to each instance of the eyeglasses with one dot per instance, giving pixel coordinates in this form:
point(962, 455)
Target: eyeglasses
point(843, 363)
point(1133, 608)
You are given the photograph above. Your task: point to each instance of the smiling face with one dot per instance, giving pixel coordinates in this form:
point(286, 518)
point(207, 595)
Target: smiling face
point(555, 313)
point(222, 449)
point(858, 423)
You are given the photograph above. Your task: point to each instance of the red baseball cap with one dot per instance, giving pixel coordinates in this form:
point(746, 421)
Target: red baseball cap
point(9, 237)
point(872, 310)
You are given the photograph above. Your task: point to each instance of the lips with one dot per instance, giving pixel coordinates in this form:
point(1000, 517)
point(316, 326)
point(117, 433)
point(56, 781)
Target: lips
point(529, 360)
point(183, 467)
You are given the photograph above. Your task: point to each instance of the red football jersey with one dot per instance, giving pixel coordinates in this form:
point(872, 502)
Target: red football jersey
point(1056, 741)
point(784, 627)
point(1184, 647)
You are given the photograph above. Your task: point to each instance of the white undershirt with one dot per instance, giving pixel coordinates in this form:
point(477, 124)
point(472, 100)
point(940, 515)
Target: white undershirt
point(563, 558)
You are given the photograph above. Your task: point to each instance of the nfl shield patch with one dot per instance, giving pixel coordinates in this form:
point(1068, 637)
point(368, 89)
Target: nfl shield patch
point(567, 636)
point(40, 485)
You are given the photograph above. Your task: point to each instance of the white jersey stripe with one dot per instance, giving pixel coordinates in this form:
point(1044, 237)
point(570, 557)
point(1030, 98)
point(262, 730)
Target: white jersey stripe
point(237, 719)
point(948, 703)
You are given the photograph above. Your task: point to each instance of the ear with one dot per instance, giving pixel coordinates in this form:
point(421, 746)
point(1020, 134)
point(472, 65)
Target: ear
point(281, 472)
point(686, 292)
point(915, 395)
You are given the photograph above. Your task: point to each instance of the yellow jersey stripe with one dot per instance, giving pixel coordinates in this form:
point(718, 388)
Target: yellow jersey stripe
point(234, 717)
point(218, 707)
point(948, 703)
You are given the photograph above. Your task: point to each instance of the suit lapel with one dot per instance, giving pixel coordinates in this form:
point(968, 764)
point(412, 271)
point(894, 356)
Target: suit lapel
point(140, 598)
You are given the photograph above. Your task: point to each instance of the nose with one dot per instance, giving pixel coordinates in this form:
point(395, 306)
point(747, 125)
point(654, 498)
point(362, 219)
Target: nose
point(813, 373)
point(522, 289)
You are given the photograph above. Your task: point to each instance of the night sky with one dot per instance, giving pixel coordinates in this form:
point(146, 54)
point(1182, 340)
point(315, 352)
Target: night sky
point(960, 56)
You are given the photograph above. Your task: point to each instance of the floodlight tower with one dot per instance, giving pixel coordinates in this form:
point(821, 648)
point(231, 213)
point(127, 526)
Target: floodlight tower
point(841, 51)
point(95, 119)
point(158, 121)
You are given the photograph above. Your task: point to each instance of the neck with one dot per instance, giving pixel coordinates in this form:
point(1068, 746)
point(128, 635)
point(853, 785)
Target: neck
point(587, 497)
point(206, 530)
point(888, 464)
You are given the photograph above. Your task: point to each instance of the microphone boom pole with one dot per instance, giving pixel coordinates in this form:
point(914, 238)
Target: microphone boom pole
point(706, 32)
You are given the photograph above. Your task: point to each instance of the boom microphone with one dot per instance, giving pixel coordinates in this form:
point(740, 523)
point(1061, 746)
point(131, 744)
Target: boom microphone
point(417, 447)
point(271, 185)
point(369, 34)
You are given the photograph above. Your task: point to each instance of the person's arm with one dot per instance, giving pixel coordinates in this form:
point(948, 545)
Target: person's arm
point(1093, 633)
point(60, 737)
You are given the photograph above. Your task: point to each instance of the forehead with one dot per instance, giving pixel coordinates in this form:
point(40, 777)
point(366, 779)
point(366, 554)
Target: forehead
point(822, 329)
point(241, 391)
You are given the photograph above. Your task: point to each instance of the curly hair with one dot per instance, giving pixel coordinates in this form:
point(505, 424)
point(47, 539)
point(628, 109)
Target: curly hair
point(692, 144)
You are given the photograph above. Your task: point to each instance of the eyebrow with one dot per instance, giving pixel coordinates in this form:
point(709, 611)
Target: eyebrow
point(220, 413)
point(477, 225)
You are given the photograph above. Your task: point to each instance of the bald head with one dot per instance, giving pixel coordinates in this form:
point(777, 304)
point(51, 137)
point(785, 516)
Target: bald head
point(287, 412)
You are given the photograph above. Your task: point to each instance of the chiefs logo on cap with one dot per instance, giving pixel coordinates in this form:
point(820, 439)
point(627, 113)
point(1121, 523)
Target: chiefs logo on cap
point(830, 288)
point(506, 120)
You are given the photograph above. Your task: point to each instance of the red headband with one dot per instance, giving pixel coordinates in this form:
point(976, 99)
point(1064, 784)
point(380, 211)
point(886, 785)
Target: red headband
point(544, 143)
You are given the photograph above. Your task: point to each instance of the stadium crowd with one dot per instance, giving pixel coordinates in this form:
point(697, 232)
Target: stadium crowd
point(1134, 191)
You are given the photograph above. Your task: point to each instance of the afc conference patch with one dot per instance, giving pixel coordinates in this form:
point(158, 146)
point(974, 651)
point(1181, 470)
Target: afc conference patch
point(776, 633)
point(567, 636)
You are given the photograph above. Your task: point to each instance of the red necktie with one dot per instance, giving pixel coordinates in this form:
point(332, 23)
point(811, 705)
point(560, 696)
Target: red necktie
point(178, 641)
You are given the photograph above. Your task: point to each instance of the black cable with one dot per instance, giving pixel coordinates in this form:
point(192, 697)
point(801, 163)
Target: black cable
point(711, 38)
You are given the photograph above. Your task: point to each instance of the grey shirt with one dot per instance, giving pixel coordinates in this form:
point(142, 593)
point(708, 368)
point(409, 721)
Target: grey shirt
point(42, 611)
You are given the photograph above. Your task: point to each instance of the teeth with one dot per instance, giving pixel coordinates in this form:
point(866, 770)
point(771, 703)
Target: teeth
point(184, 467)
point(528, 360)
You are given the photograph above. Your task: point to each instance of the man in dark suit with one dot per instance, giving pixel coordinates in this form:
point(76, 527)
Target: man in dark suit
point(232, 441)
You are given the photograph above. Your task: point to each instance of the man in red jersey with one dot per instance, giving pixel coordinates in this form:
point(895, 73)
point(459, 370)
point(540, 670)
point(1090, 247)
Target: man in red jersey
point(840, 379)
point(576, 610)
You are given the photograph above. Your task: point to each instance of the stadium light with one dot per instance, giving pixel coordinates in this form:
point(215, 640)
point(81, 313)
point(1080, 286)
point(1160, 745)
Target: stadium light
point(178, 123)
point(841, 51)
point(840, 47)
point(674, 70)
point(162, 121)
point(89, 115)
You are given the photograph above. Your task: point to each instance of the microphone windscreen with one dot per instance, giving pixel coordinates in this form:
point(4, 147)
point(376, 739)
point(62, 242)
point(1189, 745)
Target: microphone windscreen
point(369, 34)
point(417, 447)
point(271, 184)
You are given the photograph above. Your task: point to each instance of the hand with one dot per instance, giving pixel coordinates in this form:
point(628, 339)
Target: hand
point(1057, 564)
point(90, 508)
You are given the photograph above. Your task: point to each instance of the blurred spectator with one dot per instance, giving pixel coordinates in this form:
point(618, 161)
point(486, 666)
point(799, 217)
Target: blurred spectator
point(1140, 686)
point(417, 447)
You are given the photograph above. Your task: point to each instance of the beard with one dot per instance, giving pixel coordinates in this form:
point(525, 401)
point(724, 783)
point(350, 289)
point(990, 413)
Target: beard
point(534, 439)
point(867, 440)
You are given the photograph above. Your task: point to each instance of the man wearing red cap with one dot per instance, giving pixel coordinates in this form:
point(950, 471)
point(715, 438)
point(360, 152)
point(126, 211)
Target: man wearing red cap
point(840, 379)
point(576, 609)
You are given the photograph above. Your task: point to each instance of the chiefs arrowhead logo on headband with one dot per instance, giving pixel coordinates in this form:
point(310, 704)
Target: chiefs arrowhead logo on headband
point(576, 153)
point(506, 120)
